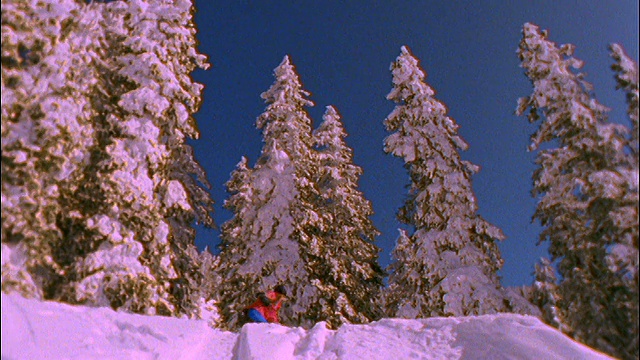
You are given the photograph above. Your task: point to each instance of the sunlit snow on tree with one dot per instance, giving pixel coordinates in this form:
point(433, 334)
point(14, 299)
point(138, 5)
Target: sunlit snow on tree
point(97, 104)
point(294, 220)
point(265, 241)
point(448, 265)
point(587, 186)
point(348, 260)
point(46, 134)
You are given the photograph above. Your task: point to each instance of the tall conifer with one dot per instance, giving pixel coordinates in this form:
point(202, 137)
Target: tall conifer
point(349, 260)
point(110, 181)
point(583, 183)
point(145, 174)
point(275, 226)
point(448, 265)
point(296, 219)
point(623, 256)
point(47, 82)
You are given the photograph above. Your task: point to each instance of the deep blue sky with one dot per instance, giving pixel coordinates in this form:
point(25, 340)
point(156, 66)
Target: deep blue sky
point(342, 51)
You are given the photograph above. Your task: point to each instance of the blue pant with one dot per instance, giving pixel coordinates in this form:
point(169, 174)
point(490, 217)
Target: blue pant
point(256, 316)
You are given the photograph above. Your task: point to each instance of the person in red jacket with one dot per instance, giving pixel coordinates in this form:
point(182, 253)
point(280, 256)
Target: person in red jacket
point(266, 307)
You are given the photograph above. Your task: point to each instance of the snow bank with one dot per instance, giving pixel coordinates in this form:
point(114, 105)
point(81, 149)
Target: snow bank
point(37, 330)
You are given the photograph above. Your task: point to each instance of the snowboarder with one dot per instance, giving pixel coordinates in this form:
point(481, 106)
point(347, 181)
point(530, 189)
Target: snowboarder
point(266, 307)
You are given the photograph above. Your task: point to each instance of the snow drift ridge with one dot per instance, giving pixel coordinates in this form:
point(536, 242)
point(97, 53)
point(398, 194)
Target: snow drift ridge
point(32, 330)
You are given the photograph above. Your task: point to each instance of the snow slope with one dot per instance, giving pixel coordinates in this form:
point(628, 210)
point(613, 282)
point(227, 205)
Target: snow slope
point(47, 330)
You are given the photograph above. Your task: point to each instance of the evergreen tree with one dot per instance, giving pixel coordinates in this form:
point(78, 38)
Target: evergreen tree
point(184, 175)
point(277, 234)
point(100, 252)
point(406, 283)
point(450, 262)
point(545, 295)
point(207, 288)
point(623, 255)
point(47, 50)
point(116, 266)
point(145, 176)
point(583, 185)
point(627, 77)
point(348, 262)
point(94, 127)
point(258, 249)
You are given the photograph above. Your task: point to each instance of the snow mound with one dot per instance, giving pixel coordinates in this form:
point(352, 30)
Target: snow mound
point(37, 330)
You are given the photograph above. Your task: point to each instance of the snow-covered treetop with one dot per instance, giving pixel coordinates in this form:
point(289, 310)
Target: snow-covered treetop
point(286, 91)
point(627, 68)
point(418, 114)
point(451, 246)
point(407, 72)
point(285, 118)
point(330, 131)
point(627, 76)
point(561, 94)
point(329, 139)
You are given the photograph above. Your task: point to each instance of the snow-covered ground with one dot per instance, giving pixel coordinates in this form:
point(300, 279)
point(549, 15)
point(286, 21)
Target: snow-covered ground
point(47, 330)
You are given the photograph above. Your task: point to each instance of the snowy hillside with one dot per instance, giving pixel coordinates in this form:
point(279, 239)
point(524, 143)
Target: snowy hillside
point(48, 330)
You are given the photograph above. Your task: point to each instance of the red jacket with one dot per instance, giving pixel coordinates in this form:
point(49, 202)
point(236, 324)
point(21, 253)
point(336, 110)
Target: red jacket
point(270, 312)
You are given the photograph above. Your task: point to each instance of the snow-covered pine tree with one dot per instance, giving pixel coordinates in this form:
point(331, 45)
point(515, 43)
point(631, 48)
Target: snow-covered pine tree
point(232, 296)
point(47, 50)
point(97, 177)
point(208, 264)
point(110, 269)
point(185, 194)
point(141, 241)
point(627, 77)
point(405, 278)
point(623, 256)
point(545, 295)
point(275, 235)
point(98, 252)
point(583, 181)
point(348, 263)
point(260, 246)
point(450, 262)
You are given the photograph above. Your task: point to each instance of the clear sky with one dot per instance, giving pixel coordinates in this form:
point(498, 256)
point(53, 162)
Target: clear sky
point(342, 51)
